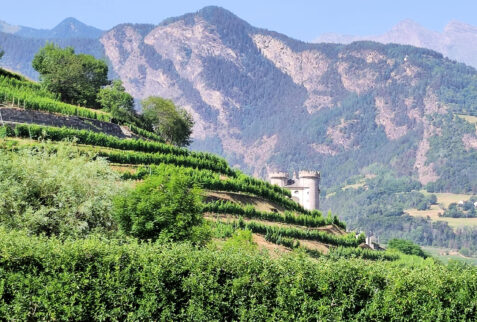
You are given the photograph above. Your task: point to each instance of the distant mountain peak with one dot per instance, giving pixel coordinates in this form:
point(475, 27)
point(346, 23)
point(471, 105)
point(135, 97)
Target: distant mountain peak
point(407, 25)
point(456, 40)
point(459, 26)
point(73, 28)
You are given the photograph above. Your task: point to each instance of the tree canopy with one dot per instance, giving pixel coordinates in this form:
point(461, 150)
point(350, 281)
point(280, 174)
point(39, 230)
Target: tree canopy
point(77, 78)
point(172, 123)
point(166, 206)
point(117, 101)
point(406, 247)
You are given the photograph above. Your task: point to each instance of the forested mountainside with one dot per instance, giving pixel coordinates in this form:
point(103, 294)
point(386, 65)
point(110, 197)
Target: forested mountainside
point(455, 41)
point(268, 102)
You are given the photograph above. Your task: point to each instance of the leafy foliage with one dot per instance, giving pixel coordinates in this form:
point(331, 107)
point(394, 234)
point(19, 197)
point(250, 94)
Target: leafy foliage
point(77, 78)
point(315, 220)
point(165, 207)
point(170, 122)
point(46, 279)
point(234, 182)
point(348, 240)
point(115, 100)
point(406, 247)
point(56, 193)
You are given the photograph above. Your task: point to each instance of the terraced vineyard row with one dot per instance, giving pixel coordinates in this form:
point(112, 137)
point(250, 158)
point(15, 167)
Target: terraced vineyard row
point(227, 207)
point(100, 139)
point(33, 98)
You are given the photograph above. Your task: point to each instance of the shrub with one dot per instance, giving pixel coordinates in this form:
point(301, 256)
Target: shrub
point(61, 193)
point(97, 279)
point(166, 206)
point(406, 247)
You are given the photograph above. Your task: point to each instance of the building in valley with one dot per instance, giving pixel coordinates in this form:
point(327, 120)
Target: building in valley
point(304, 188)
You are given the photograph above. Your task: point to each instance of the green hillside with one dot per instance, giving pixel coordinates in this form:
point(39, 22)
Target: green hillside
point(145, 155)
point(76, 241)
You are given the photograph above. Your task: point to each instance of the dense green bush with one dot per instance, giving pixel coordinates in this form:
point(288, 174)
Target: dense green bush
point(406, 247)
point(56, 193)
point(166, 207)
point(95, 279)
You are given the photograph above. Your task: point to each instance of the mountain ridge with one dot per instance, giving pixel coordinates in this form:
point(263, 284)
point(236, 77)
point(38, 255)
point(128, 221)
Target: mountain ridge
point(454, 41)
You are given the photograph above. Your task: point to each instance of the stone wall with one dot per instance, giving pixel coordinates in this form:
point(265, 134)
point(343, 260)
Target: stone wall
point(13, 115)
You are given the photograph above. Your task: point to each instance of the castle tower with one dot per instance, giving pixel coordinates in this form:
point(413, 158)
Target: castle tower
point(279, 178)
point(311, 179)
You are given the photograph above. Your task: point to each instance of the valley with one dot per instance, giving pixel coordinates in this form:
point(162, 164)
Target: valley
point(203, 169)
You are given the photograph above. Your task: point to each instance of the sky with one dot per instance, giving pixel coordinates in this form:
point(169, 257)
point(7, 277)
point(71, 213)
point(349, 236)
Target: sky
point(300, 19)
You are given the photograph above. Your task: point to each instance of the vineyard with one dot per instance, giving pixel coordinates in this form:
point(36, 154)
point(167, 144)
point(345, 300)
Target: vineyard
point(150, 156)
point(101, 227)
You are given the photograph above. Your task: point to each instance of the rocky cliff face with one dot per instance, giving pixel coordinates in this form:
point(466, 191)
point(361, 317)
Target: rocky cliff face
point(266, 101)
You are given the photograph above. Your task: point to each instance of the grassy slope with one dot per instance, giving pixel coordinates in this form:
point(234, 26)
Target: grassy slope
point(242, 199)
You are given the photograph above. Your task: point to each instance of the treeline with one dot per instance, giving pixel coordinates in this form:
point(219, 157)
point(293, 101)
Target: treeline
point(227, 207)
point(100, 279)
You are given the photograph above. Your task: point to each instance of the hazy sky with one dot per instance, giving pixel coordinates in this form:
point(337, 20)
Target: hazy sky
point(301, 19)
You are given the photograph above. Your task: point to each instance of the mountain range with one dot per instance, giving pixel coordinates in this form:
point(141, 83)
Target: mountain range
point(266, 101)
point(456, 41)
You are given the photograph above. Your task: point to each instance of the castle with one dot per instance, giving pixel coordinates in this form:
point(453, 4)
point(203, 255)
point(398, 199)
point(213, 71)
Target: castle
point(305, 189)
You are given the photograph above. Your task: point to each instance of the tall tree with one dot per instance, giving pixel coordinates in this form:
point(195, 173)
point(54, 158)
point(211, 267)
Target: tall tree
point(76, 77)
point(1, 53)
point(172, 123)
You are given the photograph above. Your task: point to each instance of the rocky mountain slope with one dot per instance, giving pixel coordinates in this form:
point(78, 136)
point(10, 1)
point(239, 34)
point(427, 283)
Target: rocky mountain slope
point(267, 102)
point(455, 41)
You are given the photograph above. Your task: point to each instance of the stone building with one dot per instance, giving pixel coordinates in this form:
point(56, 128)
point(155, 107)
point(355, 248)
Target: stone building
point(304, 188)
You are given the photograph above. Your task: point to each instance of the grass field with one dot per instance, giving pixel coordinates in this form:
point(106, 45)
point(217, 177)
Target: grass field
point(444, 199)
point(468, 118)
point(433, 213)
point(445, 255)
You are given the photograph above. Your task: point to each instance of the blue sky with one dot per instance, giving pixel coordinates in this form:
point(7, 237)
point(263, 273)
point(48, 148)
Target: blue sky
point(301, 19)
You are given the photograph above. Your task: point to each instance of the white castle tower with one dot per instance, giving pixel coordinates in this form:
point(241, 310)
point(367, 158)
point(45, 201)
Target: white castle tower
point(305, 189)
point(279, 178)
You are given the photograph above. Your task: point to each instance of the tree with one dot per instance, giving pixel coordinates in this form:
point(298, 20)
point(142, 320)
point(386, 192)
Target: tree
point(117, 101)
point(1, 53)
point(406, 247)
point(172, 123)
point(167, 206)
point(77, 78)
